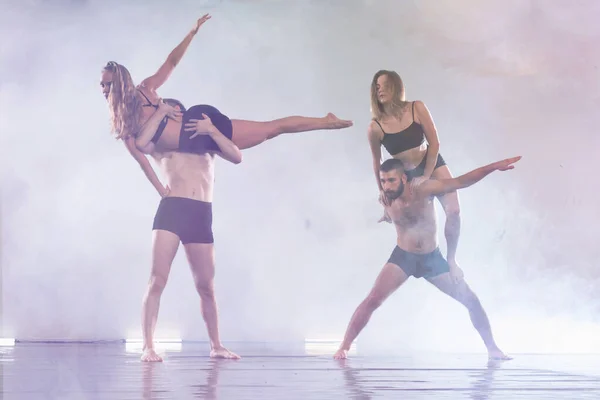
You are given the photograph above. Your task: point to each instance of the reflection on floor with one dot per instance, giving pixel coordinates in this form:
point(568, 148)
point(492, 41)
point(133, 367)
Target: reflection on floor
point(113, 371)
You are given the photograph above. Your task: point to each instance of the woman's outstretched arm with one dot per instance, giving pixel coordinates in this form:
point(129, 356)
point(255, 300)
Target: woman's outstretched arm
point(160, 77)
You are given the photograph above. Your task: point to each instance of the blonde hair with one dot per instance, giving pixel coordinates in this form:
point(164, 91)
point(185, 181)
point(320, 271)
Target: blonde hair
point(122, 101)
point(398, 95)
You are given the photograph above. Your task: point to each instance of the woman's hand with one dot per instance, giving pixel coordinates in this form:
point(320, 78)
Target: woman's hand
point(199, 23)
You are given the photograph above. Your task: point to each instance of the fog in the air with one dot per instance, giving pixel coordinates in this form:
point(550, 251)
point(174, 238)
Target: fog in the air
point(297, 240)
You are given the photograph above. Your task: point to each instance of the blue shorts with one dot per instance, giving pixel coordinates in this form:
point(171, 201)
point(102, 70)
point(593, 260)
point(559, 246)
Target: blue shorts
point(426, 265)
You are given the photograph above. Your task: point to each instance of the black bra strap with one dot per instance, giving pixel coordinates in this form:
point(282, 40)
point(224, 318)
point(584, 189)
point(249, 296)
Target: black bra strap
point(160, 130)
point(380, 126)
point(147, 99)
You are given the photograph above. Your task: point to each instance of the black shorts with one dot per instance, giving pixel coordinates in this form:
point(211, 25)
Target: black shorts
point(203, 143)
point(189, 219)
point(420, 170)
point(426, 265)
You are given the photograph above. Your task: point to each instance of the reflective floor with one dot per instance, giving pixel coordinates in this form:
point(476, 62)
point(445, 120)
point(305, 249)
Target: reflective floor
point(113, 371)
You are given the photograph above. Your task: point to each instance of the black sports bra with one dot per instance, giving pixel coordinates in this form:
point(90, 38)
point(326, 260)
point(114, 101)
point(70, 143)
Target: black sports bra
point(163, 123)
point(407, 139)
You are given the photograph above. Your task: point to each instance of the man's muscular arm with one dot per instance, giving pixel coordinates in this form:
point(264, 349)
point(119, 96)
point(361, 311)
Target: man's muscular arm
point(443, 186)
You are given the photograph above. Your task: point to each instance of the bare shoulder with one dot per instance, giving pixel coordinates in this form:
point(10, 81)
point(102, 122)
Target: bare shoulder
point(420, 106)
point(143, 85)
point(143, 93)
point(421, 111)
point(147, 90)
point(374, 130)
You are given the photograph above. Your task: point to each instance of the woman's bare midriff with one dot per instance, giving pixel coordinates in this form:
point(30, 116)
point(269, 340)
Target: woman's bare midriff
point(412, 158)
point(188, 175)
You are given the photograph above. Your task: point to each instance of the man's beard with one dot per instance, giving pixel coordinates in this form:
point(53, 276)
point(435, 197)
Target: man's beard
point(394, 194)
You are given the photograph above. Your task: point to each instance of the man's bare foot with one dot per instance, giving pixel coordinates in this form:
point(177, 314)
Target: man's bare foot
point(498, 355)
point(334, 122)
point(149, 355)
point(222, 352)
point(341, 354)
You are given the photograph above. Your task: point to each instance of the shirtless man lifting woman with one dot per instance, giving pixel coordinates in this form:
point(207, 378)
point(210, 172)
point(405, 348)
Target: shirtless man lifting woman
point(412, 211)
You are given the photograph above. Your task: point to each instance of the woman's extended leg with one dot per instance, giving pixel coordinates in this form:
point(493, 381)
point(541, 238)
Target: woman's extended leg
point(248, 134)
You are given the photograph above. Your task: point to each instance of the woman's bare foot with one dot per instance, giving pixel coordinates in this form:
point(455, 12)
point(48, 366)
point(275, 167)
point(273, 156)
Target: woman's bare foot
point(498, 355)
point(222, 352)
point(149, 355)
point(334, 122)
point(341, 354)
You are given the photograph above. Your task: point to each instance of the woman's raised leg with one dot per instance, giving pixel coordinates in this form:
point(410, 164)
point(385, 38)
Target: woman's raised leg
point(248, 134)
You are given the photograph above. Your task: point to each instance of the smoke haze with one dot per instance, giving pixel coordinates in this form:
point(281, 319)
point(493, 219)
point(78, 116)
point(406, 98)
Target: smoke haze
point(297, 242)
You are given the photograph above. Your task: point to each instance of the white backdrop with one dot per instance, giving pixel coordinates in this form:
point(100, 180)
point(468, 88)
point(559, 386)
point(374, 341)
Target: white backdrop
point(297, 242)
